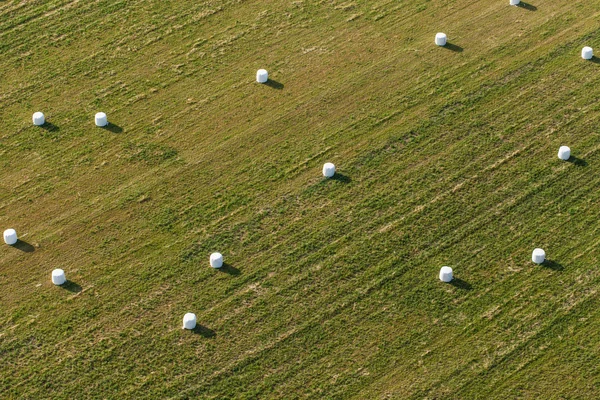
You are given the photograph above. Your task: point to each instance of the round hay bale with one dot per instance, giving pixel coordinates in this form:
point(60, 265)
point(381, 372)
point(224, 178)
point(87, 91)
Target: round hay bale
point(587, 53)
point(446, 274)
point(216, 260)
point(58, 277)
point(564, 153)
point(328, 170)
point(262, 76)
point(101, 119)
point(538, 256)
point(10, 236)
point(38, 118)
point(189, 321)
point(441, 39)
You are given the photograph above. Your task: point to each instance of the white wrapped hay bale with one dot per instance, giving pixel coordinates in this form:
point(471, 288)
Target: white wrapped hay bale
point(587, 53)
point(216, 260)
point(58, 277)
point(441, 39)
point(10, 236)
point(189, 321)
point(328, 170)
point(446, 274)
point(564, 152)
point(538, 256)
point(101, 119)
point(38, 118)
point(514, 2)
point(262, 76)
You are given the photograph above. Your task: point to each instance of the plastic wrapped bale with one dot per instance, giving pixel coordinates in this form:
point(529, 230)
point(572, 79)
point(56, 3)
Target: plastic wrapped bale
point(10, 236)
point(587, 53)
point(538, 256)
point(446, 274)
point(262, 76)
point(216, 260)
point(440, 39)
point(101, 119)
point(564, 152)
point(514, 2)
point(38, 118)
point(189, 321)
point(328, 170)
point(58, 277)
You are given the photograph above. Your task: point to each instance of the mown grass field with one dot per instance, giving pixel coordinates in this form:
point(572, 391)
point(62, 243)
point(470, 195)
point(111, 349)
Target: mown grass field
point(446, 156)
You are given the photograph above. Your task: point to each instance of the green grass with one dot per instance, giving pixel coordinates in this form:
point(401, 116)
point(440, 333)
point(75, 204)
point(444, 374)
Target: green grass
point(447, 158)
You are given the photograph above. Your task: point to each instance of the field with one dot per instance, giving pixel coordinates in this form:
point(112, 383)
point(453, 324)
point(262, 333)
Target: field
point(445, 156)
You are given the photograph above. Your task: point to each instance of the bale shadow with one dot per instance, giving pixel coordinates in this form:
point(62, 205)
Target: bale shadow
point(337, 177)
point(24, 246)
point(577, 161)
point(204, 331)
point(453, 47)
point(595, 60)
point(50, 127)
point(274, 84)
point(71, 286)
point(341, 178)
point(229, 269)
point(460, 284)
point(527, 6)
point(554, 265)
point(112, 128)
